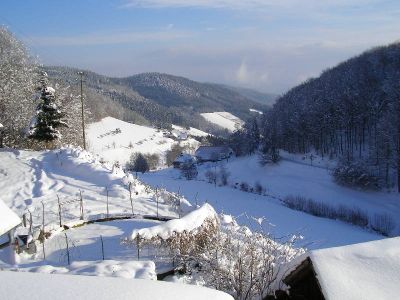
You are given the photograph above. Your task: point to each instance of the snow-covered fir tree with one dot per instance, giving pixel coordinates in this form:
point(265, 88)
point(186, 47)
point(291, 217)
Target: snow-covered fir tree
point(48, 118)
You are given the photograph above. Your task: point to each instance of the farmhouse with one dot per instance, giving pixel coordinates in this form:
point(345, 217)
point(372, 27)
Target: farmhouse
point(349, 272)
point(8, 222)
point(213, 153)
point(184, 161)
point(179, 135)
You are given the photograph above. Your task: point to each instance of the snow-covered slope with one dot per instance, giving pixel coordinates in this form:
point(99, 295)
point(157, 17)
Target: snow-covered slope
point(224, 119)
point(115, 140)
point(28, 178)
point(19, 285)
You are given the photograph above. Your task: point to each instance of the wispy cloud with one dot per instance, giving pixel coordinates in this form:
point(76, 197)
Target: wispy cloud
point(248, 4)
point(112, 38)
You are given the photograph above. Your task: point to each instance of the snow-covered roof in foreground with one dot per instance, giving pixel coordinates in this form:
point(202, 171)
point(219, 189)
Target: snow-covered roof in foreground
point(35, 286)
point(8, 218)
point(191, 221)
point(362, 271)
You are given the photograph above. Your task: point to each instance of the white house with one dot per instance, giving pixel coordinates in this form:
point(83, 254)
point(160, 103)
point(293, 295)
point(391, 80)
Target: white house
point(8, 222)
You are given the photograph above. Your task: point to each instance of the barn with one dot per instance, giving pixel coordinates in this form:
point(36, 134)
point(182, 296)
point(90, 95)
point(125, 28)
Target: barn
point(367, 271)
point(213, 153)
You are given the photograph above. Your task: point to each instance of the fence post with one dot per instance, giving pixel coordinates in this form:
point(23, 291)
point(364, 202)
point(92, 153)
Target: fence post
point(102, 246)
point(24, 220)
point(157, 200)
point(130, 196)
point(59, 209)
point(43, 233)
point(138, 247)
point(66, 241)
point(81, 204)
point(107, 202)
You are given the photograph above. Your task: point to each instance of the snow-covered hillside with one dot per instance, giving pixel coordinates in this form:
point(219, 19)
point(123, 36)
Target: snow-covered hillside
point(224, 119)
point(115, 140)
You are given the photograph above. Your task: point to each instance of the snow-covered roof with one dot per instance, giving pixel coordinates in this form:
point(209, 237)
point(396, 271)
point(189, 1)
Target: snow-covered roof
point(212, 152)
point(8, 218)
point(1, 125)
point(361, 271)
point(185, 158)
point(67, 287)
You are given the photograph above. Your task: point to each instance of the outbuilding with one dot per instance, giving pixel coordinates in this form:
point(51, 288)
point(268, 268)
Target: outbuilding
point(213, 153)
point(184, 161)
point(367, 271)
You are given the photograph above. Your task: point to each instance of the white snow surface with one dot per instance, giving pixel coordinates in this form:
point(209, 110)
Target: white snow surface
point(188, 223)
point(256, 111)
point(20, 285)
point(192, 131)
point(368, 271)
point(8, 218)
point(224, 119)
point(103, 268)
point(111, 139)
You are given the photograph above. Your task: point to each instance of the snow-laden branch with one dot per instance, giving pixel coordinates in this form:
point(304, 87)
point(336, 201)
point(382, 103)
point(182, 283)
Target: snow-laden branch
point(188, 223)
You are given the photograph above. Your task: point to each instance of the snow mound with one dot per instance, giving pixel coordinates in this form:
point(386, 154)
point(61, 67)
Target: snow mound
point(190, 222)
point(46, 286)
point(105, 268)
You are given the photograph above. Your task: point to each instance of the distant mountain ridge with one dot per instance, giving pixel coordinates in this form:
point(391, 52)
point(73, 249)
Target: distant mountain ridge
point(160, 98)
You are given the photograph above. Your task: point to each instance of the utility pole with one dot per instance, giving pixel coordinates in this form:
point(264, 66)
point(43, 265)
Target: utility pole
point(83, 118)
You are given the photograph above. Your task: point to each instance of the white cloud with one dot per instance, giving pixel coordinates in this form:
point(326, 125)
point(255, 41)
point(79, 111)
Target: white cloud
point(111, 38)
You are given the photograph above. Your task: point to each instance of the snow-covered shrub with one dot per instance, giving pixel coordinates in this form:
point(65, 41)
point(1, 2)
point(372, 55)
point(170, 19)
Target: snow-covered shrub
point(189, 172)
point(383, 223)
point(137, 163)
point(223, 175)
point(221, 253)
point(355, 174)
point(244, 186)
point(258, 188)
point(270, 157)
point(153, 160)
point(211, 176)
point(354, 215)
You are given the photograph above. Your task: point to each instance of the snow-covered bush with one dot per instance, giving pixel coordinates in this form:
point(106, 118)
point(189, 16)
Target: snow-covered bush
point(258, 188)
point(189, 172)
point(244, 186)
point(211, 176)
point(355, 174)
point(383, 223)
point(220, 253)
point(223, 175)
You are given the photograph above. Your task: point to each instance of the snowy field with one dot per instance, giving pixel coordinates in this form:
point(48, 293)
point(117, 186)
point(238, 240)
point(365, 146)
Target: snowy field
point(288, 178)
point(115, 140)
point(224, 119)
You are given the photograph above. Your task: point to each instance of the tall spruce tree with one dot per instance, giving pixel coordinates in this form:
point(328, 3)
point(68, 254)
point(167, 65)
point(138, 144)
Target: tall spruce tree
point(48, 118)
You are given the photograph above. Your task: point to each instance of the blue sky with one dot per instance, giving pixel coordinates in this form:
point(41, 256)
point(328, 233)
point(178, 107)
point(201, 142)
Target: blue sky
point(269, 45)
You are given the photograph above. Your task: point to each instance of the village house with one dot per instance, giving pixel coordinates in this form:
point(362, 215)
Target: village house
point(184, 161)
point(213, 153)
point(348, 272)
point(8, 223)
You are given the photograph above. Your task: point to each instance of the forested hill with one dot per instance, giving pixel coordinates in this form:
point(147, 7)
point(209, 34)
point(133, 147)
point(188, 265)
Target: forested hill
point(351, 111)
point(160, 98)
